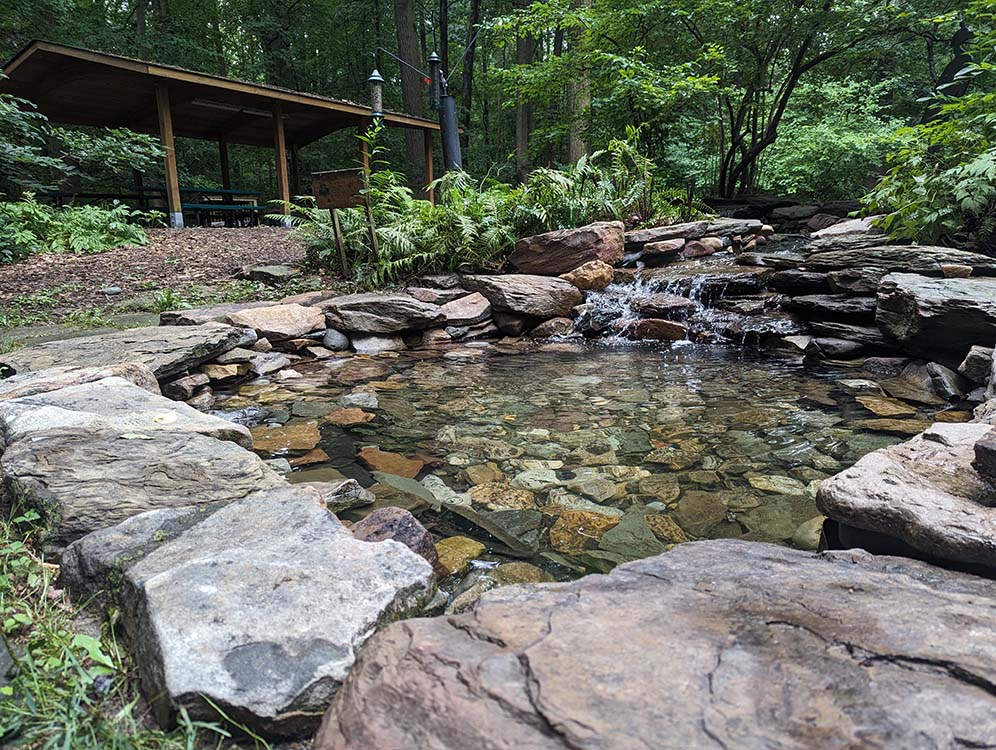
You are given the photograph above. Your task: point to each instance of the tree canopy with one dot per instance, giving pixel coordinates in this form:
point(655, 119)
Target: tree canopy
point(730, 96)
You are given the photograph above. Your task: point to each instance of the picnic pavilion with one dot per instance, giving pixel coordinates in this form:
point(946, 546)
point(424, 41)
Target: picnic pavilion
point(73, 86)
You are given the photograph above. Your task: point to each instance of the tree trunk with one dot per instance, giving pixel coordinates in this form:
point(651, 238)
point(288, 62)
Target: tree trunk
point(221, 63)
point(444, 34)
point(945, 83)
point(578, 102)
point(467, 90)
point(411, 81)
point(525, 49)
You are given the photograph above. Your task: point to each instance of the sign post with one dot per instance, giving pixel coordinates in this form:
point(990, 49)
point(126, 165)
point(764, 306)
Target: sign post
point(340, 189)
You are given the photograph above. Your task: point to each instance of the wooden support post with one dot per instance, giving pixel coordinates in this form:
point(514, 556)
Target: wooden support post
point(280, 146)
point(173, 204)
point(226, 171)
point(340, 245)
point(430, 194)
point(295, 173)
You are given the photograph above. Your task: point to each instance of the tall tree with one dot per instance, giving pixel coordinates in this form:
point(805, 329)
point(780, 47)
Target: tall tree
point(412, 84)
point(525, 50)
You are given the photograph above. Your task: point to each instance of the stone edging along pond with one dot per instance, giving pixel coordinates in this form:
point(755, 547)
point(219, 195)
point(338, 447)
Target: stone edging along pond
point(240, 591)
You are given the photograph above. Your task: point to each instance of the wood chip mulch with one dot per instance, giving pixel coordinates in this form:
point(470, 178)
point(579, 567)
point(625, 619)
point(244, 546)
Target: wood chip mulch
point(172, 259)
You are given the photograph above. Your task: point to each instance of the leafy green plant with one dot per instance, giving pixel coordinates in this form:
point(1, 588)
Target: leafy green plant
point(941, 181)
point(473, 224)
point(75, 686)
point(28, 227)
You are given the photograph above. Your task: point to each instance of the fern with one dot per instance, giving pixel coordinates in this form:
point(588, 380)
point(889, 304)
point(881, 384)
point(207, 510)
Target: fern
point(475, 223)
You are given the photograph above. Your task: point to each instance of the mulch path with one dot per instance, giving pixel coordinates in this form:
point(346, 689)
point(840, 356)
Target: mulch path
point(172, 259)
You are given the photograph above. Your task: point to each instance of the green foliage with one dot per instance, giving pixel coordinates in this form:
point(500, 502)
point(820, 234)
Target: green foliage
point(73, 689)
point(94, 155)
point(103, 155)
point(23, 133)
point(832, 138)
point(474, 224)
point(941, 181)
point(28, 227)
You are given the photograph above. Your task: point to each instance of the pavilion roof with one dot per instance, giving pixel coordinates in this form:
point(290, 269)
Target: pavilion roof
point(74, 86)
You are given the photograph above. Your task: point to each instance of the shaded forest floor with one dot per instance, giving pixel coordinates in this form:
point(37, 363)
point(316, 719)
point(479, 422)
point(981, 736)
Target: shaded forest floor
point(172, 260)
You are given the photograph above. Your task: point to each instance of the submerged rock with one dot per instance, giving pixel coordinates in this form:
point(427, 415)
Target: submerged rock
point(257, 607)
point(555, 666)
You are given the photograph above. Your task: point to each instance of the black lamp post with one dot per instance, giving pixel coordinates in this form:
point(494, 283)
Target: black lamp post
point(441, 101)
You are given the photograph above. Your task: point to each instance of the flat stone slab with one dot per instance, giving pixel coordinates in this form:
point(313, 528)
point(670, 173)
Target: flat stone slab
point(258, 607)
point(166, 350)
point(925, 492)
point(718, 644)
point(55, 378)
point(379, 312)
point(82, 479)
point(840, 253)
point(940, 319)
point(109, 404)
point(200, 315)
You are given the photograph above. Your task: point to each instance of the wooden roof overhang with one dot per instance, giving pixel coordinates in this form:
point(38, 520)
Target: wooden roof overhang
point(73, 86)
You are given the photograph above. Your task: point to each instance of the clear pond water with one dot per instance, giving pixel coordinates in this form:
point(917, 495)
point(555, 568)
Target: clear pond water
point(574, 457)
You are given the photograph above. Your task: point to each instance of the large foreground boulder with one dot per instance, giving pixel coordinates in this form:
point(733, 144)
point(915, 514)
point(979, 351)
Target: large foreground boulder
point(554, 253)
point(722, 644)
point(525, 294)
point(938, 319)
point(166, 350)
point(377, 312)
point(86, 478)
point(924, 492)
point(256, 608)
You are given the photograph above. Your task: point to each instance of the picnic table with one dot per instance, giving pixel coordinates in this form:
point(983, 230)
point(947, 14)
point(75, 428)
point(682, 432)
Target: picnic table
point(233, 207)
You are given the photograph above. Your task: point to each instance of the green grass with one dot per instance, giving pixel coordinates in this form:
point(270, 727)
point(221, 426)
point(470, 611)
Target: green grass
point(76, 690)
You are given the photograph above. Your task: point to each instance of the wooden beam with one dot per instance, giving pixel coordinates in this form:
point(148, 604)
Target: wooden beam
point(226, 171)
point(430, 194)
point(173, 205)
point(295, 173)
point(280, 146)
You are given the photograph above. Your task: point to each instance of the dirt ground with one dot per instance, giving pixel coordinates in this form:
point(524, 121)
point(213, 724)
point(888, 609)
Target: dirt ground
point(173, 259)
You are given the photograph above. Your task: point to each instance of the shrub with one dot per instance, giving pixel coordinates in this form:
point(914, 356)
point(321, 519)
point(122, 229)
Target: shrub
point(28, 227)
point(475, 223)
point(941, 182)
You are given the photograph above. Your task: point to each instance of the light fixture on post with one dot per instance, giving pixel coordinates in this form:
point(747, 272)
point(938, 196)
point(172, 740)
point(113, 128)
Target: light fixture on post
point(376, 81)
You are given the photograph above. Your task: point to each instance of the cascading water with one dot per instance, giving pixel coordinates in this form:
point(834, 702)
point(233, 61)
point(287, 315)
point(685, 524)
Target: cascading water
point(725, 301)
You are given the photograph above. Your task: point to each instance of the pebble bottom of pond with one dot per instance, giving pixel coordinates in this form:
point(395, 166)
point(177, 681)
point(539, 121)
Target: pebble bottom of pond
point(572, 457)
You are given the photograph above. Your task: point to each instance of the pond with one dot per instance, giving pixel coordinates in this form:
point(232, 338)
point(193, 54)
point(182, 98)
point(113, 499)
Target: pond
point(574, 456)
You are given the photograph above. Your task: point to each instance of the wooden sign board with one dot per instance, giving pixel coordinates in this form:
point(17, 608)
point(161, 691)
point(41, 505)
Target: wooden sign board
point(337, 189)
